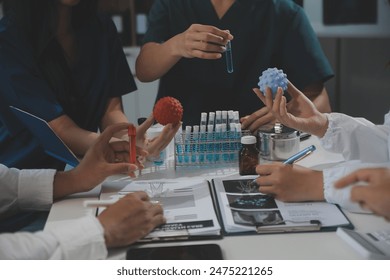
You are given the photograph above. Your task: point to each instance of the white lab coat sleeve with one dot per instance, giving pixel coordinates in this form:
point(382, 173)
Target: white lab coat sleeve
point(35, 189)
point(342, 196)
point(28, 189)
point(82, 238)
point(357, 138)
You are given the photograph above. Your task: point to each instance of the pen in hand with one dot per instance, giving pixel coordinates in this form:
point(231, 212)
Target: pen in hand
point(298, 156)
point(105, 203)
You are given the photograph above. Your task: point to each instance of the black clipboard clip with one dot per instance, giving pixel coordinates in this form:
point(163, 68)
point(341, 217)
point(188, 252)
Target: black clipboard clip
point(312, 225)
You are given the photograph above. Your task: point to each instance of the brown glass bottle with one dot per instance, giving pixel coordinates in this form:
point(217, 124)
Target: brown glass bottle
point(248, 156)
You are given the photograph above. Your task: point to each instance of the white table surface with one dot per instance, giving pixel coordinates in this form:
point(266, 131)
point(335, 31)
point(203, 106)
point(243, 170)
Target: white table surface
point(300, 246)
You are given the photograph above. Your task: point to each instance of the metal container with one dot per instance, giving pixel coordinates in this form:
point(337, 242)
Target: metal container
point(277, 142)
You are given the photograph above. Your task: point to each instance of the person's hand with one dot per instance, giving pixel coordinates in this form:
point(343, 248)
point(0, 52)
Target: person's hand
point(299, 113)
point(290, 183)
point(105, 158)
point(100, 161)
point(129, 219)
point(259, 118)
point(155, 145)
point(374, 194)
point(202, 41)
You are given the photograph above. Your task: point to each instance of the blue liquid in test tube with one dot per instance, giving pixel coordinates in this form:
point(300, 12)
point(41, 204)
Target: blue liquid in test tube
point(229, 57)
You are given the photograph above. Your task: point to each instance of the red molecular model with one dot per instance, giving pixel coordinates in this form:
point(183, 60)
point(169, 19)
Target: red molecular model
point(168, 110)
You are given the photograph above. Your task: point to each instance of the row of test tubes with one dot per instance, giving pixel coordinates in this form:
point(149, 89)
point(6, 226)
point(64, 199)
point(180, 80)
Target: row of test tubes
point(215, 140)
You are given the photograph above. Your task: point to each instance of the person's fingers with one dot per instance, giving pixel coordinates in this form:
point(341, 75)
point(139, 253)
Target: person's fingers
point(164, 138)
point(107, 134)
point(205, 55)
point(266, 190)
point(120, 146)
point(158, 220)
point(265, 169)
point(141, 130)
point(356, 176)
point(360, 193)
point(264, 180)
point(277, 101)
point(269, 99)
point(141, 152)
point(345, 181)
point(209, 29)
point(292, 90)
point(283, 108)
point(258, 122)
point(120, 168)
point(248, 121)
point(210, 45)
point(139, 194)
point(156, 208)
point(259, 95)
point(122, 156)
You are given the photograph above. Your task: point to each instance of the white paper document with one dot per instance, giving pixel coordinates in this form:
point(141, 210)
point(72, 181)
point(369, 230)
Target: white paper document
point(188, 207)
point(244, 209)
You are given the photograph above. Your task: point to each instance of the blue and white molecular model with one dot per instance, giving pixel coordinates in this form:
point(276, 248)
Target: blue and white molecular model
point(272, 78)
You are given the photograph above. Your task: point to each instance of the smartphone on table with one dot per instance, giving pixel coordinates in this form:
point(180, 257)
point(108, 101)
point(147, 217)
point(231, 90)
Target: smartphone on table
point(186, 252)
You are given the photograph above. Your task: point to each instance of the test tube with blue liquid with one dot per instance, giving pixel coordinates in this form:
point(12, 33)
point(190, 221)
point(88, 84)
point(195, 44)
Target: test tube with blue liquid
point(236, 117)
point(202, 141)
point(237, 140)
point(217, 146)
point(225, 142)
point(230, 119)
point(195, 139)
point(224, 117)
point(203, 118)
point(179, 147)
point(229, 57)
point(218, 117)
point(210, 143)
point(187, 144)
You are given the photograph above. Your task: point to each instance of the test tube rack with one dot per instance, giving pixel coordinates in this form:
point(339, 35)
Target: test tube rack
point(208, 148)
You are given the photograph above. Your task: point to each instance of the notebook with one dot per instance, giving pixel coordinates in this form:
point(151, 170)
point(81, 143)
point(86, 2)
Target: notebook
point(244, 210)
point(51, 143)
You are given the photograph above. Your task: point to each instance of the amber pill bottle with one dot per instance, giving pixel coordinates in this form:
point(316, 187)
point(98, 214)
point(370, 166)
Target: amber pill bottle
point(248, 156)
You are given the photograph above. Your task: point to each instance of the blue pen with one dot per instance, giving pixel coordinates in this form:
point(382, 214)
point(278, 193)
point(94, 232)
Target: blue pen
point(298, 156)
point(229, 57)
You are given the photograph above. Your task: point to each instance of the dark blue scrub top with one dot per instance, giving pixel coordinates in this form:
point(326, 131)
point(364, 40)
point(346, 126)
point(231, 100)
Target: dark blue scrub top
point(101, 73)
point(267, 33)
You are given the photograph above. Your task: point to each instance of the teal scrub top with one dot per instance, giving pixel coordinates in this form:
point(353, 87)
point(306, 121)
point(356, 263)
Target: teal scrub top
point(267, 33)
point(101, 73)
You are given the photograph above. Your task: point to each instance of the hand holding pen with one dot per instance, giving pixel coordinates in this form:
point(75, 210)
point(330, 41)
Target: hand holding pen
point(290, 182)
point(300, 155)
point(294, 158)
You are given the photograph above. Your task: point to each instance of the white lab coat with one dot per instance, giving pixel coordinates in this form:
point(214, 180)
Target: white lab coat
point(33, 190)
point(362, 143)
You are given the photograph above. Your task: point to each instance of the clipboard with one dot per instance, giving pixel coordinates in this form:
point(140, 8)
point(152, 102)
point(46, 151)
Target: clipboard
point(285, 225)
point(191, 213)
point(49, 140)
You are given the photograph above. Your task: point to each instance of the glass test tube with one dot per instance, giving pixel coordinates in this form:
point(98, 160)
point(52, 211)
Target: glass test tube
point(229, 57)
point(203, 118)
point(187, 144)
point(195, 139)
